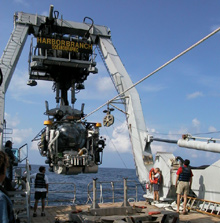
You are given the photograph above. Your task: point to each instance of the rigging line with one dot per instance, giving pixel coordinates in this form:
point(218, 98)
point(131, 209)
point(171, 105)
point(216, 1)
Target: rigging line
point(171, 134)
point(116, 149)
point(205, 133)
point(200, 133)
point(155, 71)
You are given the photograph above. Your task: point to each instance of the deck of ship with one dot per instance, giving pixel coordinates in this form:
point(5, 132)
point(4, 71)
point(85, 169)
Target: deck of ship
point(62, 213)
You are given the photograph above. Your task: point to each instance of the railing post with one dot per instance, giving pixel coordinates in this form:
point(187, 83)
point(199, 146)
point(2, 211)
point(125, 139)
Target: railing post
point(94, 203)
point(113, 192)
point(136, 188)
point(125, 203)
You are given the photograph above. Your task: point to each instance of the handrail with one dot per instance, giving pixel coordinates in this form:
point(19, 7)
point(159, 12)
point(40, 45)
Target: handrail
point(22, 187)
point(48, 198)
point(101, 189)
point(116, 191)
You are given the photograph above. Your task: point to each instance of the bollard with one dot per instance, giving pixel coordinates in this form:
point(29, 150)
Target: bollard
point(94, 203)
point(125, 203)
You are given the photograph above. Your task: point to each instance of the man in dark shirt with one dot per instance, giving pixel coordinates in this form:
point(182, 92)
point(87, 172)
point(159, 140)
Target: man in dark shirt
point(11, 157)
point(183, 183)
point(41, 189)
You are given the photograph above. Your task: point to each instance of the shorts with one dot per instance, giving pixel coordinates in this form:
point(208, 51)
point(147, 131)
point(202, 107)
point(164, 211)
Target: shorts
point(156, 187)
point(40, 195)
point(182, 187)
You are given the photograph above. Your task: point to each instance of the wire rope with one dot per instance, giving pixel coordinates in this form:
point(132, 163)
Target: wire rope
point(116, 149)
point(155, 71)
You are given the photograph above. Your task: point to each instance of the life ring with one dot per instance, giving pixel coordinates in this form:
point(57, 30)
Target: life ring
point(150, 176)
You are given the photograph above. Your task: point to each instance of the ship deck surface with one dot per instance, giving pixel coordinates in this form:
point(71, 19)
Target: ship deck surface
point(62, 213)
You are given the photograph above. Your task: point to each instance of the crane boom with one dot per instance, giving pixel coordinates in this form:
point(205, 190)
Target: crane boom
point(9, 61)
point(134, 114)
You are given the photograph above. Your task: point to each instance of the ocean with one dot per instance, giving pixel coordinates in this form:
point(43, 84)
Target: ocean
point(106, 179)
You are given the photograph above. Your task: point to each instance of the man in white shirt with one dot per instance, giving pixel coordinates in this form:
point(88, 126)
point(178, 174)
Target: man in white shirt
point(41, 189)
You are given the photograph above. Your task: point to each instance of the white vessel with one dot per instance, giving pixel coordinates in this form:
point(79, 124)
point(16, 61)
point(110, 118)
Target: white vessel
point(64, 52)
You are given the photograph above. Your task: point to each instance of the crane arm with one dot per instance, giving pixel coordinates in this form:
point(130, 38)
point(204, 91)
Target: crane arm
point(133, 109)
point(9, 61)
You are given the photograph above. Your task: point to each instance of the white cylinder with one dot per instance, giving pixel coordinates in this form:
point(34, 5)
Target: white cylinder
point(210, 147)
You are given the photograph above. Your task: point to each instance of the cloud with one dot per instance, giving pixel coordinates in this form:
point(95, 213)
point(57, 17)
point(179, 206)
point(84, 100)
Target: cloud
point(13, 121)
point(20, 91)
point(212, 129)
point(196, 123)
point(21, 135)
point(155, 147)
point(34, 145)
point(105, 84)
point(194, 95)
point(98, 88)
point(21, 2)
point(153, 130)
point(163, 147)
point(119, 140)
point(152, 88)
point(211, 157)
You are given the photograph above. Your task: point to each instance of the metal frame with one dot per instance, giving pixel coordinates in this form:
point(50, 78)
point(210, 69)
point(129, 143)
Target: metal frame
point(30, 24)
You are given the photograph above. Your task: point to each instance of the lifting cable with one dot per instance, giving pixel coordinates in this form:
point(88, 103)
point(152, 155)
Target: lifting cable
point(155, 71)
point(116, 150)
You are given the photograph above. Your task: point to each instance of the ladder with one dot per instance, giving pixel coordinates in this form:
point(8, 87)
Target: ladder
point(119, 84)
point(21, 204)
point(21, 197)
point(7, 135)
point(9, 61)
point(203, 206)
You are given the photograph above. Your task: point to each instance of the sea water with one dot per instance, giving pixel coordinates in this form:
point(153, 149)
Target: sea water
point(82, 184)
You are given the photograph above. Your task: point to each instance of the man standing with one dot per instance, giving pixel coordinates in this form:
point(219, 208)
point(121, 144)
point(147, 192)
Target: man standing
point(9, 173)
point(41, 189)
point(184, 176)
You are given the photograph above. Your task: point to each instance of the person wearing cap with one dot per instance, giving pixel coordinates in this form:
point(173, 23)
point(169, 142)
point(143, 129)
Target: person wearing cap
point(183, 183)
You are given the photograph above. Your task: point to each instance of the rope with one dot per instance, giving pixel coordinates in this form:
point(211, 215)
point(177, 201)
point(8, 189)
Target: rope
point(155, 71)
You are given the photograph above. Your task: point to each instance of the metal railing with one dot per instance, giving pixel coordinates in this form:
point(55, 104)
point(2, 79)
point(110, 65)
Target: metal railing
point(108, 191)
point(115, 190)
point(21, 197)
point(54, 190)
point(7, 135)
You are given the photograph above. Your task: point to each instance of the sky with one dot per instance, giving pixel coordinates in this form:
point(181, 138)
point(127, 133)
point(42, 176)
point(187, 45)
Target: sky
point(181, 98)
